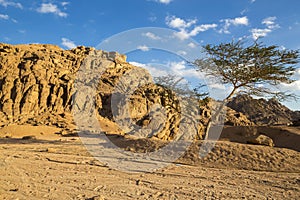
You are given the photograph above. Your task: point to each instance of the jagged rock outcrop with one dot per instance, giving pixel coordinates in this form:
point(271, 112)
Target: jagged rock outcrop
point(36, 83)
point(262, 111)
point(230, 116)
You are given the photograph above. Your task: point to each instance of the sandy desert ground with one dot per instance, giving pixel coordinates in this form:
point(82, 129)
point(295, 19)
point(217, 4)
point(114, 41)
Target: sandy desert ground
point(55, 167)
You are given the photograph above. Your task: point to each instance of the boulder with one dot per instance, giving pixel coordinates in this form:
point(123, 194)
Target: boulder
point(261, 140)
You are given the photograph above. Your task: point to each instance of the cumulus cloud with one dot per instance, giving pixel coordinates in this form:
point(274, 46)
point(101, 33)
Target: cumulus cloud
point(143, 48)
point(4, 17)
point(51, 8)
point(176, 22)
point(185, 27)
point(151, 36)
point(270, 24)
point(243, 21)
point(6, 3)
point(68, 43)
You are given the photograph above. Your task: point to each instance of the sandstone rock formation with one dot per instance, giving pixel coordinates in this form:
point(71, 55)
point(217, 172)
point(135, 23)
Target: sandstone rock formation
point(37, 86)
point(36, 83)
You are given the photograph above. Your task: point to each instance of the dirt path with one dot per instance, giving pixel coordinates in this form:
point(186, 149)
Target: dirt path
point(65, 170)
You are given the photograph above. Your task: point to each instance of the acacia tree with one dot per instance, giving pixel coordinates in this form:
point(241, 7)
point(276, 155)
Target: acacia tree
point(252, 69)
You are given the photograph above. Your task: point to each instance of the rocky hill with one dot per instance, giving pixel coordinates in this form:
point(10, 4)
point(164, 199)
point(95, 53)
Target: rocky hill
point(264, 112)
point(37, 86)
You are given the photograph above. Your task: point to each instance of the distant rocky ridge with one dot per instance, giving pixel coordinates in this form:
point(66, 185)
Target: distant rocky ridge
point(264, 112)
point(37, 88)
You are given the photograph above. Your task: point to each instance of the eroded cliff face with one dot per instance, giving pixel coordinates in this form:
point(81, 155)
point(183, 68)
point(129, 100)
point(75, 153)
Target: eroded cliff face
point(36, 82)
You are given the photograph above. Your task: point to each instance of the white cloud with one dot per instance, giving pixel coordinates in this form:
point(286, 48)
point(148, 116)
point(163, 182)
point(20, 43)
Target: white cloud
point(218, 86)
point(164, 1)
point(51, 8)
point(176, 22)
point(293, 87)
point(184, 27)
point(270, 24)
point(192, 45)
point(297, 72)
point(6, 3)
point(154, 71)
point(258, 33)
point(151, 36)
point(182, 53)
point(143, 48)
point(176, 68)
point(296, 75)
point(180, 69)
point(5, 17)
point(65, 3)
point(240, 21)
point(202, 28)
point(243, 21)
point(182, 35)
point(137, 64)
point(68, 43)
point(252, 1)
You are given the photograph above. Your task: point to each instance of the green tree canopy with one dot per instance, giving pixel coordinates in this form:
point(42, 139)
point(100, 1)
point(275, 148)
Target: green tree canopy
point(251, 69)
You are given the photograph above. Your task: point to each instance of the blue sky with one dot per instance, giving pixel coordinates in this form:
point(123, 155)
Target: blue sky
point(90, 22)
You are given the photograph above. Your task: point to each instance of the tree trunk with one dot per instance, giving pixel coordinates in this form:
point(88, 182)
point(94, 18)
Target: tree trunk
point(217, 114)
